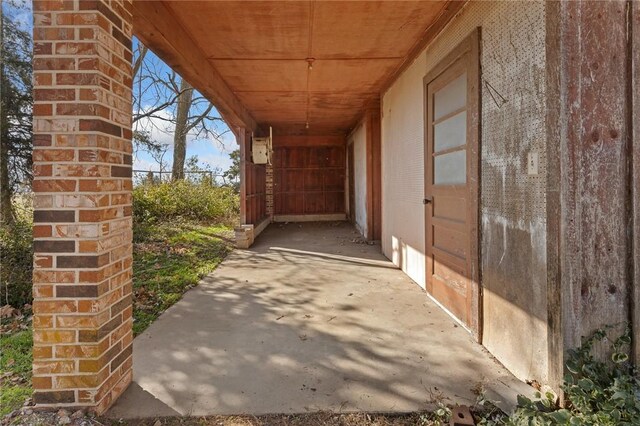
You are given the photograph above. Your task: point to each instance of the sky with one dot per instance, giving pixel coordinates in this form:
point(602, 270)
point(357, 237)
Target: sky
point(20, 11)
point(211, 153)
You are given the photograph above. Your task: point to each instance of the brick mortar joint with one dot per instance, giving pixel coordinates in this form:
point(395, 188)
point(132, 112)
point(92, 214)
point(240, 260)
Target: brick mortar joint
point(78, 359)
point(78, 118)
point(78, 162)
point(126, 32)
point(76, 86)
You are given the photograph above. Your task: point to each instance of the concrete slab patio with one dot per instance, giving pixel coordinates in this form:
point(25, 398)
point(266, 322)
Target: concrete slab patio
point(308, 319)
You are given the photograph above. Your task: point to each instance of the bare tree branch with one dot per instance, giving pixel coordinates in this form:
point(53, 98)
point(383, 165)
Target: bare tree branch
point(158, 106)
point(200, 118)
point(142, 53)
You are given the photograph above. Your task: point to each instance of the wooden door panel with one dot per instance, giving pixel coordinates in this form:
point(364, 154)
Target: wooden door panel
point(452, 261)
point(453, 275)
point(450, 240)
point(450, 208)
point(451, 182)
point(451, 299)
point(453, 225)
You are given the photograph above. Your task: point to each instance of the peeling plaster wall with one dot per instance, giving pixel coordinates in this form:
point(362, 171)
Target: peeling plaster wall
point(513, 210)
point(359, 138)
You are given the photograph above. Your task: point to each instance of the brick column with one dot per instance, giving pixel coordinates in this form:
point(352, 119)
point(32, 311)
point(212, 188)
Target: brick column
point(269, 190)
point(82, 220)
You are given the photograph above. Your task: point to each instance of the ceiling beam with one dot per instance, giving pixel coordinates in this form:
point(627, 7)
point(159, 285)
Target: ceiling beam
point(156, 26)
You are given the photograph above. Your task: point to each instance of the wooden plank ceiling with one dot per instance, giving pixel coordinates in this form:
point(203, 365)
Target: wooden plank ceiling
point(290, 63)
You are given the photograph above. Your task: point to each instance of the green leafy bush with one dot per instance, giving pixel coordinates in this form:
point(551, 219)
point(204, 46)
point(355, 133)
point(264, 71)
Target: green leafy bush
point(184, 199)
point(16, 354)
point(596, 392)
point(16, 257)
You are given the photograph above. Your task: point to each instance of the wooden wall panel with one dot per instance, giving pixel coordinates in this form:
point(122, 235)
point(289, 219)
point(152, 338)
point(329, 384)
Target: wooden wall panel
point(313, 180)
point(334, 202)
point(253, 188)
point(309, 175)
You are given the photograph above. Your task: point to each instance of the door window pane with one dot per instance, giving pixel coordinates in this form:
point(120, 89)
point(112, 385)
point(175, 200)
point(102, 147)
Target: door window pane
point(451, 97)
point(450, 169)
point(451, 132)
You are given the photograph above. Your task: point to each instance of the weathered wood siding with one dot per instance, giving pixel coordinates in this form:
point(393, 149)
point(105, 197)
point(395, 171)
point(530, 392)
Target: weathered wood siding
point(593, 184)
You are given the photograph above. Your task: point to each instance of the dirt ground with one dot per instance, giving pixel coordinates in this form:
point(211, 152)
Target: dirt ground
point(311, 419)
point(28, 417)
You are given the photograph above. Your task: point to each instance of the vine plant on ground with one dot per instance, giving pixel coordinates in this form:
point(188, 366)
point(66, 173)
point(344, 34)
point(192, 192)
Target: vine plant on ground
point(596, 392)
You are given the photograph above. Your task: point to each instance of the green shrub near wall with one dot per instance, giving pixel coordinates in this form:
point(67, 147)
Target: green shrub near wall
point(200, 202)
point(16, 256)
point(192, 201)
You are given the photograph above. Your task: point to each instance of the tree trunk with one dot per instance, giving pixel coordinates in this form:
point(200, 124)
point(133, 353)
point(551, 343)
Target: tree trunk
point(6, 209)
point(180, 135)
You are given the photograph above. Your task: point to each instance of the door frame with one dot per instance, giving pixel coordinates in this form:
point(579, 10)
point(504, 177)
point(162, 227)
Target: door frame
point(351, 184)
point(469, 51)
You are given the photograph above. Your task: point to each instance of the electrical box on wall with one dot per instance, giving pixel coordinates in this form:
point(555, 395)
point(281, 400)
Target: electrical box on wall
point(261, 149)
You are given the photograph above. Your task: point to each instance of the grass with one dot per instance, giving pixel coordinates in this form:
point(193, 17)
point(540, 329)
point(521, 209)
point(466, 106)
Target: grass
point(15, 369)
point(169, 259)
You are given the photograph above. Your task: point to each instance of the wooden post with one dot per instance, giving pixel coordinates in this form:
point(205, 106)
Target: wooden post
point(635, 170)
point(242, 134)
point(592, 184)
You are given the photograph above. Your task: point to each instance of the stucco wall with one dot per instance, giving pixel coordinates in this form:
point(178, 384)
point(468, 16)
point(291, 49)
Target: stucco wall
point(360, 176)
point(403, 172)
point(512, 228)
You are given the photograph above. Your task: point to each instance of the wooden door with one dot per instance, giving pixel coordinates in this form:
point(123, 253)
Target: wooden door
point(452, 185)
point(352, 185)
